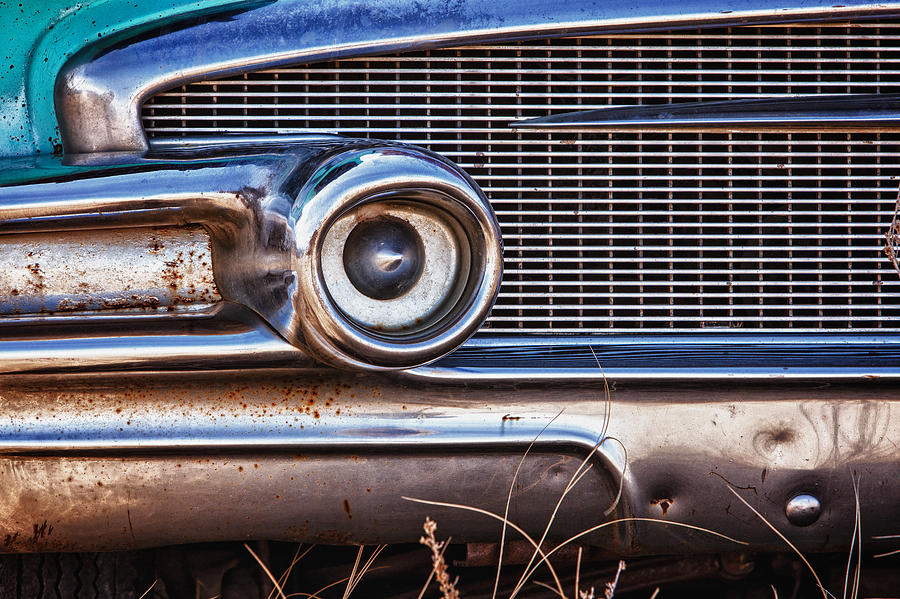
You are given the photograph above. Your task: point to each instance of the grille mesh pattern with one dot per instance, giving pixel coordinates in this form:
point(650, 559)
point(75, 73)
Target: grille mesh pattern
point(627, 231)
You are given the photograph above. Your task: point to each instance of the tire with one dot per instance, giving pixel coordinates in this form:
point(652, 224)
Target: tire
point(122, 575)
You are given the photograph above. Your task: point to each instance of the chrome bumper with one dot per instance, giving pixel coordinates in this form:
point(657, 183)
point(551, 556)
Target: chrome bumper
point(111, 462)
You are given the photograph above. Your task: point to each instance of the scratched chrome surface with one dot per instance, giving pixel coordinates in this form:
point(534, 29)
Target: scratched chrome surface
point(273, 446)
point(130, 461)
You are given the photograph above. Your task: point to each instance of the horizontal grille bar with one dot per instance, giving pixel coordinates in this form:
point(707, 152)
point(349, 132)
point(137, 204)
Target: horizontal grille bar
point(627, 230)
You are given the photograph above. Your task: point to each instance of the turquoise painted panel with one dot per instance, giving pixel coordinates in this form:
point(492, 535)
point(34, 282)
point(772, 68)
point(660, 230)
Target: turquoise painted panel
point(38, 36)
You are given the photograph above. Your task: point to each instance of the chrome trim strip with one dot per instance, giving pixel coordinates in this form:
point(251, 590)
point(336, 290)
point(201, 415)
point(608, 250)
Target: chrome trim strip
point(167, 145)
point(669, 357)
point(228, 337)
point(99, 93)
point(821, 112)
point(687, 373)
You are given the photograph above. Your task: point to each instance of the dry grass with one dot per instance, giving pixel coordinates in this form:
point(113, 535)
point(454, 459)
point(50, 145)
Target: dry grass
point(439, 566)
point(541, 556)
point(882, 538)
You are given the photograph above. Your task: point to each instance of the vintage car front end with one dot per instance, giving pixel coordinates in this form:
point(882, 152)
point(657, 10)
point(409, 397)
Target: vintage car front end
point(302, 271)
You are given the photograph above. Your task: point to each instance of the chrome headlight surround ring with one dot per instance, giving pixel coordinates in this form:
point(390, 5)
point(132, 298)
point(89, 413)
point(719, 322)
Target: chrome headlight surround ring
point(420, 188)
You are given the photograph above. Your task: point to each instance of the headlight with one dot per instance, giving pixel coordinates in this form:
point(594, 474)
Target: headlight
point(399, 258)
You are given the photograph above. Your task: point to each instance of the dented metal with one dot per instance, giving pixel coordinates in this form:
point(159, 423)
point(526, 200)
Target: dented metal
point(134, 461)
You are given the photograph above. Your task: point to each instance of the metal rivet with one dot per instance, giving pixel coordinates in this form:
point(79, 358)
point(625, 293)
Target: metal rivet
point(803, 509)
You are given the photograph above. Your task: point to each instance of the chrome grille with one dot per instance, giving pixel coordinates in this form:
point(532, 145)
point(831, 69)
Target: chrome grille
point(627, 231)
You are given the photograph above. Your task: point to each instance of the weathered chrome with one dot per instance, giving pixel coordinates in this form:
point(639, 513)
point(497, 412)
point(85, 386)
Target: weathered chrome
point(685, 357)
point(803, 509)
point(223, 338)
point(146, 269)
point(267, 214)
point(812, 112)
point(445, 268)
point(460, 278)
point(132, 461)
point(383, 257)
point(99, 93)
point(652, 231)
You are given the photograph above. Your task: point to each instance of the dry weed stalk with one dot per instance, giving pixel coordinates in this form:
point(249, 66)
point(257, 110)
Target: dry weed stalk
point(149, 589)
point(266, 570)
point(439, 565)
point(611, 586)
point(883, 537)
point(357, 573)
point(785, 539)
point(856, 542)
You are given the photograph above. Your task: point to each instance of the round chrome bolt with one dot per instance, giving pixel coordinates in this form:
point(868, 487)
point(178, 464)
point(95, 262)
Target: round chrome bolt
point(384, 257)
point(803, 509)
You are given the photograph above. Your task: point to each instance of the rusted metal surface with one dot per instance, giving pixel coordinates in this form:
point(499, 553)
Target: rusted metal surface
point(139, 269)
point(267, 210)
point(116, 462)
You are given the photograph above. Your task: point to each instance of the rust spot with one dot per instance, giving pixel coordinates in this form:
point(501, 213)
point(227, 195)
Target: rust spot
point(347, 509)
point(40, 531)
point(511, 417)
point(769, 440)
point(783, 436)
point(99, 484)
point(240, 468)
point(35, 269)
point(664, 504)
point(67, 305)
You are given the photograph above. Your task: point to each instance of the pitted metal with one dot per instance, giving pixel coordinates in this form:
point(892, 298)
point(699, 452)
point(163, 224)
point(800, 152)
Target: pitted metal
point(267, 215)
point(141, 270)
point(204, 457)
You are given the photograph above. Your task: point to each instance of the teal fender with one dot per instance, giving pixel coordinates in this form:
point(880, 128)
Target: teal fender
point(39, 36)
